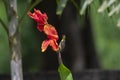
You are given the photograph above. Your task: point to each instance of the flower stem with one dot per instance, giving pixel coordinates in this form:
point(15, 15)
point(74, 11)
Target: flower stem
point(59, 58)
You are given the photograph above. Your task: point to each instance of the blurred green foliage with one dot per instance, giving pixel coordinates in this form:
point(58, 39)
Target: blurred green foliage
point(4, 44)
point(106, 35)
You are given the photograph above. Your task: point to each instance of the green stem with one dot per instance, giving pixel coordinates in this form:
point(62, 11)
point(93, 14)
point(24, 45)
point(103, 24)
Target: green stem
point(75, 4)
point(25, 13)
point(4, 26)
point(59, 58)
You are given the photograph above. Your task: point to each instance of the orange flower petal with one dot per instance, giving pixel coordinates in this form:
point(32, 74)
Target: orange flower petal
point(50, 31)
point(45, 44)
point(54, 45)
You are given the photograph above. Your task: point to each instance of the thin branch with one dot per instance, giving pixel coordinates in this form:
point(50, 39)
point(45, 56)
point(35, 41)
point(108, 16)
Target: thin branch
point(75, 4)
point(59, 58)
point(25, 13)
point(85, 5)
point(4, 26)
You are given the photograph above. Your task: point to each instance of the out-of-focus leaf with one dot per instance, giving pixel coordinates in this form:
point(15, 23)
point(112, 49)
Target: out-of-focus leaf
point(115, 10)
point(105, 5)
point(61, 6)
point(4, 44)
point(65, 73)
point(75, 4)
point(106, 36)
point(111, 2)
point(57, 1)
point(29, 1)
point(85, 5)
point(118, 23)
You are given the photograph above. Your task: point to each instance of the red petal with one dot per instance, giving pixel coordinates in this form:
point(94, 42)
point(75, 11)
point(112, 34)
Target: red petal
point(54, 45)
point(50, 31)
point(33, 16)
point(40, 27)
point(45, 44)
point(40, 18)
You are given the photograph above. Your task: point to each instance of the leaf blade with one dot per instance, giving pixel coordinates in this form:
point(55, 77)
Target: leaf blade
point(61, 6)
point(64, 72)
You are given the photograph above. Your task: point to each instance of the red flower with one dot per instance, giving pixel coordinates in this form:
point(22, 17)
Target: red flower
point(40, 18)
point(52, 35)
point(48, 29)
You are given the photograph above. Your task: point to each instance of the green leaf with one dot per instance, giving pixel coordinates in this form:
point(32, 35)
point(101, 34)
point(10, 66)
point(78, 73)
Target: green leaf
point(64, 72)
point(61, 6)
point(85, 5)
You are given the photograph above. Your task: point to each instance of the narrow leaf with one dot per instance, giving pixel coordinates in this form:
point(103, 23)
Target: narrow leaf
point(118, 23)
point(85, 5)
point(114, 10)
point(111, 2)
point(105, 5)
point(64, 72)
point(61, 6)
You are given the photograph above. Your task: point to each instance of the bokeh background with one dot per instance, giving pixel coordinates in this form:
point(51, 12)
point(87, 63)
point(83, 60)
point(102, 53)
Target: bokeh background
point(92, 40)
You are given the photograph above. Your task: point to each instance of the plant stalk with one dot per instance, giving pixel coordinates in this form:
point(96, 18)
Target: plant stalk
point(59, 58)
point(14, 41)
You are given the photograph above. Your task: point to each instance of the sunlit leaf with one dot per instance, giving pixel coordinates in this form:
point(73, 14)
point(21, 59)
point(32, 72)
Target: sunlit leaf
point(85, 5)
point(114, 10)
point(118, 23)
point(111, 2)
point(65, 73)
point(61, 6)
point(105, 5)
